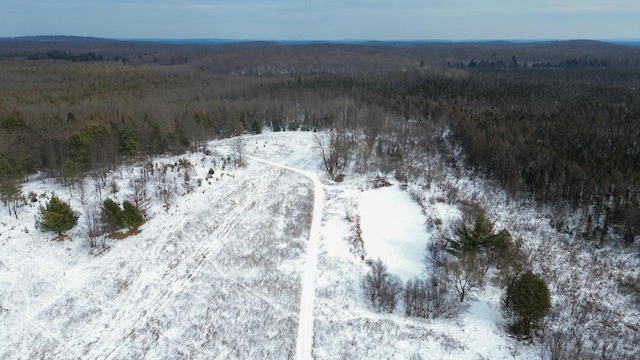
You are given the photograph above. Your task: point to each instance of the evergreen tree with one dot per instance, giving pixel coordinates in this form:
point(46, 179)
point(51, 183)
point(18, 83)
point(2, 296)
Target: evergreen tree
point(6, 170)
point(70, 172)
point(480, 237)
point(9, 172)
point(112, 215)
point(529, 302)
point(11, 197)
point(58, 216)
point(81, 150)
point(129, 145)
point(131, 215)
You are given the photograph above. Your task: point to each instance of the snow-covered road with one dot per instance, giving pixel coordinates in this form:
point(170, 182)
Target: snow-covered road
point(304, 341)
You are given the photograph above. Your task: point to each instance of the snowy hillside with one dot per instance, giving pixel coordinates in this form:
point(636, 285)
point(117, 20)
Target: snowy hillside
point(228, 268)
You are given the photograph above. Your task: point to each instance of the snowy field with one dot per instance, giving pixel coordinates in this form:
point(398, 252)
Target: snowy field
point(225, 270)
point(215, 275)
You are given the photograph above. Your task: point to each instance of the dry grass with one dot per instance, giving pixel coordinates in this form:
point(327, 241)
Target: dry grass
point(62, 237)
point(124, 235)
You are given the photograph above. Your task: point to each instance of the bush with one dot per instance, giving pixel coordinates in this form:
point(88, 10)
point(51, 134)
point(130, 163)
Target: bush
point(58, 216)
point(564, 344)
point(380, 287)
point(427, 298)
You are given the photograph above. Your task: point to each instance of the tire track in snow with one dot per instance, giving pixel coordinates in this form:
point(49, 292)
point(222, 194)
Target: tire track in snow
point(184, 271)
point(304, 341)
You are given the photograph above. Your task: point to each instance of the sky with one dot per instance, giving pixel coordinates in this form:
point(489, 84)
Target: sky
point(323, 20)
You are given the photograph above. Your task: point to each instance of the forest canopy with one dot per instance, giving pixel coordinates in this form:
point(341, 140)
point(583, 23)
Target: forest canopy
point(559, 121)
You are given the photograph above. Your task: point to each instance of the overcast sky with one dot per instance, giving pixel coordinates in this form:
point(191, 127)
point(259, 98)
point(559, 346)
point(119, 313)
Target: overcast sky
point(324, 20)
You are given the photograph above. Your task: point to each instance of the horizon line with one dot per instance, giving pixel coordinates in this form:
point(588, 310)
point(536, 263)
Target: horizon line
point(240, 40)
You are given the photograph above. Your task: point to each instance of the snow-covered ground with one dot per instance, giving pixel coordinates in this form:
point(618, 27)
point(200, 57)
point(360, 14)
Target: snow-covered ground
point(215, 275)
point(256, 262)
point(394, 229)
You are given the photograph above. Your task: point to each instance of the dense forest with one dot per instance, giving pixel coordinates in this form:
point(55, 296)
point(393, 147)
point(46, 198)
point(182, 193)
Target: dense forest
point(557, 121)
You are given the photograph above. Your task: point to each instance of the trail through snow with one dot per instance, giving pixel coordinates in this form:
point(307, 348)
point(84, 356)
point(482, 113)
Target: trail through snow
point(304, 341)
point(234, 268)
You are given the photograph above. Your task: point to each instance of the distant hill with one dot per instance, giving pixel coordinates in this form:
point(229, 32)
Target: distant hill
point(242, 56)
point(59, 38)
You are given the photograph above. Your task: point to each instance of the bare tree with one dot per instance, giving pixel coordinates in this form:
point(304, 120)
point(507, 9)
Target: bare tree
point(372, 123)
point(92, 218)
point(239, 146)
point(514, 262)
point(328, 157)
point(140, 197)
point(335, 149)
point(98, 184)
point(164, 187)
point(465, 275)
point(92, 215)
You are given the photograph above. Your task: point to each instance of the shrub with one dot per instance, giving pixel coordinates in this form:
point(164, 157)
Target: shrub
point(380, 287)
point(427, 298)
point(58, 216)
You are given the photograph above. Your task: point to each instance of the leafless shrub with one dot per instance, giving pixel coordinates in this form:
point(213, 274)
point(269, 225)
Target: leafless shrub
point(380, 287)
point(451, 192)
point(469, 209)
point(436, 256)
point(428, 298)
point(563, 345)
point(630, 285)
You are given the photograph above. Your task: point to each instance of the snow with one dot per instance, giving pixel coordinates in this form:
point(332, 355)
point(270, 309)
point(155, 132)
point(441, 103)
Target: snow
point(393, 229)
point(260, 262)
point(304, 340)
point(304, 343)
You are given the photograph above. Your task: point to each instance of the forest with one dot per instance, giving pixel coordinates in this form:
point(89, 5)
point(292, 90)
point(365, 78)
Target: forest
point(558, 122)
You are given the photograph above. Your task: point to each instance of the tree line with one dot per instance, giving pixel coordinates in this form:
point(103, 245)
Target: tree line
point(566, 136)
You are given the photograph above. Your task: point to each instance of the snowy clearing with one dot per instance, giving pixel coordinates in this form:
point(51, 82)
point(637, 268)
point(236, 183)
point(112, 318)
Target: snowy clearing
point(216, 275)
point(261, 262)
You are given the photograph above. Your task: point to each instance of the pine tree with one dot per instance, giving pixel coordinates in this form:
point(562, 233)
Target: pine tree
point(480, 237)
point(112, 215)
point(131, 215)
point(11, 197)
point(529, 301)
point(58, 216)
